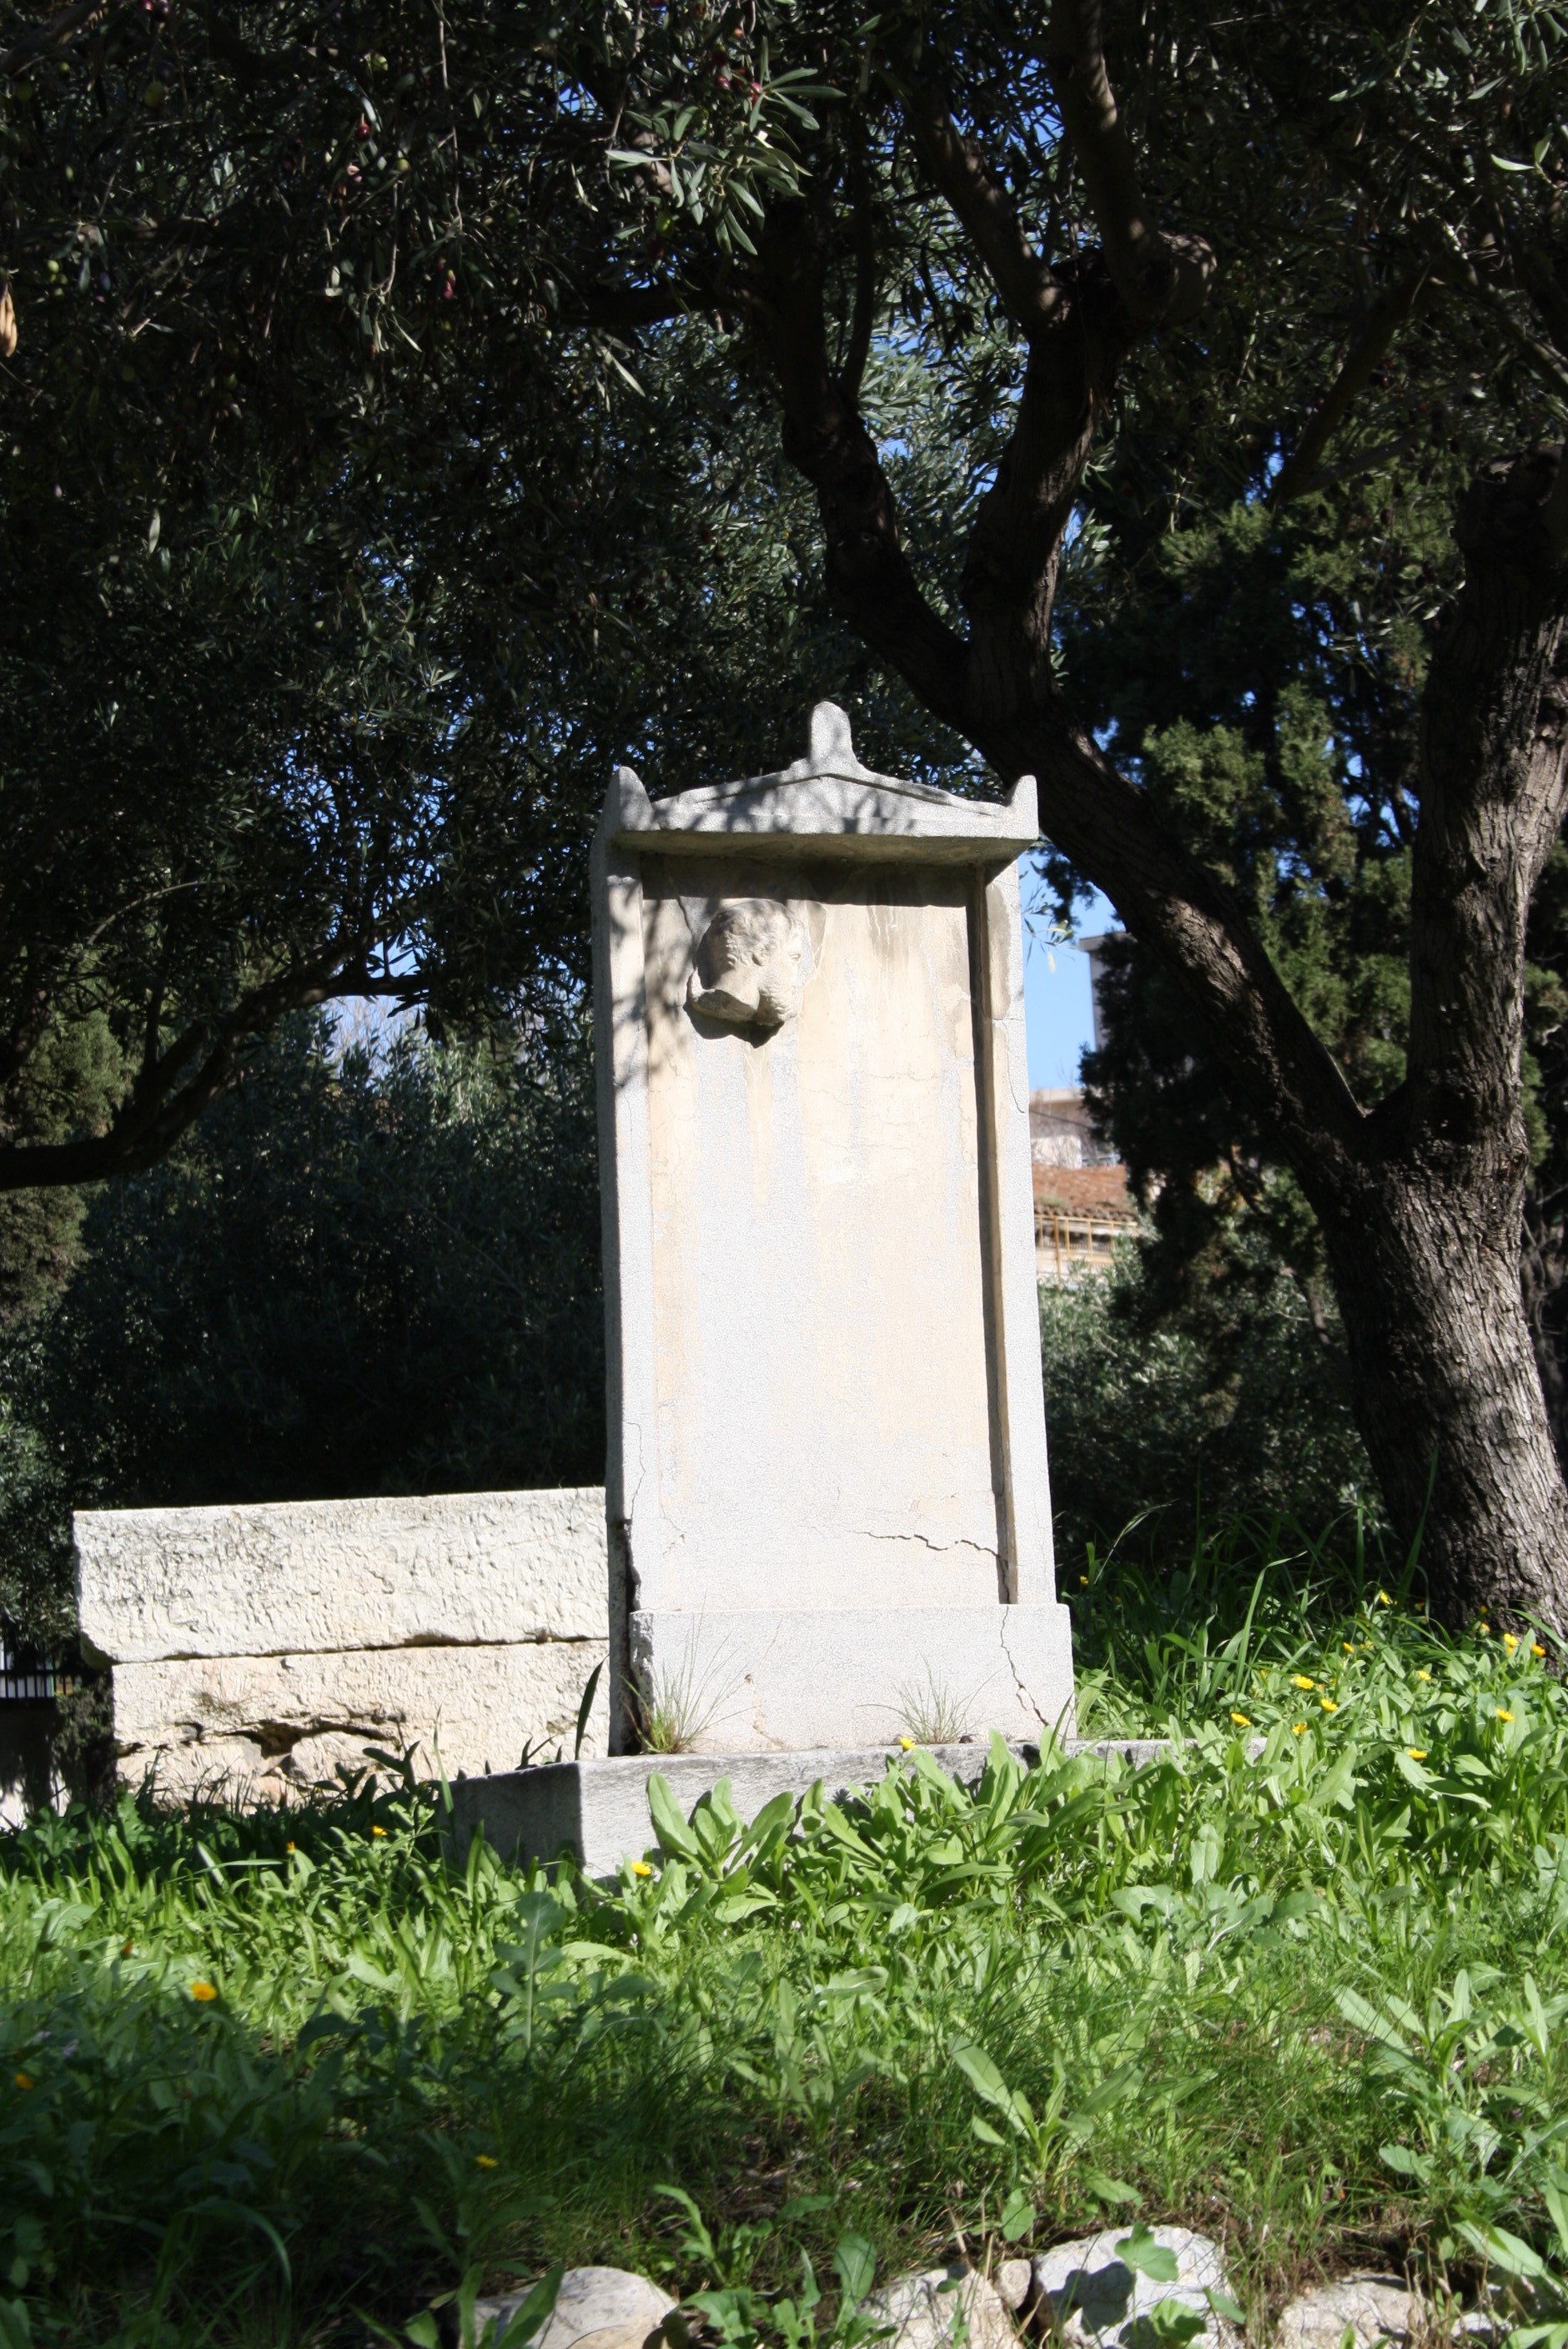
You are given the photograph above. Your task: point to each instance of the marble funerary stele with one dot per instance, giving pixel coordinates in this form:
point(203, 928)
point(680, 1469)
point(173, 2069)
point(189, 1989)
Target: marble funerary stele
point(829, 1512)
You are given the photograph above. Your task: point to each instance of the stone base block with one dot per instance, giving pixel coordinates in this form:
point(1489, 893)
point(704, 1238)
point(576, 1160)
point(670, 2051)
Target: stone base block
point(598, 1811)
point(853, 1678)
point(262, 1726)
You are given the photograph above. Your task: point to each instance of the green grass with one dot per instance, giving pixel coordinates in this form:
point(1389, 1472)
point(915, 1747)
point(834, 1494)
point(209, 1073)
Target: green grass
point(1314, 2001)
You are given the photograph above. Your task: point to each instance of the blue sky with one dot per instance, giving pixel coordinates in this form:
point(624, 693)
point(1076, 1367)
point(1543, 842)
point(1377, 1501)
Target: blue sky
point(1056, 989)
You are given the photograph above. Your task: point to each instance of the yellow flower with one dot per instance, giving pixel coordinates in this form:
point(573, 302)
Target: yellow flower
point(1384, 1599)
point(23, 2079)
point(1485, 1627)
point(907, 1744)
point(203, 1991)
point(641, 1868)
point(1328, 1704)
point(1510, 1642)
point(1504, 1713)
point(1423, 1675)
point(1348, 1646)
point(290, 1846)
point(487, 2161)
point(1299, 1679)
point(1299, 1728)
point(1536, 1649)
point(1417, 1752)
point(380, 1831)
point(1241, 1721)
point(1083, 1581)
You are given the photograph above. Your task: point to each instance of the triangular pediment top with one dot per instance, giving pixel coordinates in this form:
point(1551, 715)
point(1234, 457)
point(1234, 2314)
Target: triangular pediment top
point(827, 794)
point(830, 756)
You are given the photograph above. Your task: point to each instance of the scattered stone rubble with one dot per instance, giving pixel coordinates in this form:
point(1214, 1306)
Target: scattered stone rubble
point(1078, 2295)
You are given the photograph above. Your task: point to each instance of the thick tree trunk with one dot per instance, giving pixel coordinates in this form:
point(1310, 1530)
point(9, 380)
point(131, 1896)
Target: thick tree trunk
point(1425, 1260)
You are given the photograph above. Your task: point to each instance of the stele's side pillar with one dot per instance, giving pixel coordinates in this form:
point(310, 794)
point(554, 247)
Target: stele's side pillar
point(829, 1511)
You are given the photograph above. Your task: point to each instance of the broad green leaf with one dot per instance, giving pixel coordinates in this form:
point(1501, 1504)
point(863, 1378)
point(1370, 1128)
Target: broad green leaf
point(1139, 2250)
point(855, 2264)
point(670, 1825)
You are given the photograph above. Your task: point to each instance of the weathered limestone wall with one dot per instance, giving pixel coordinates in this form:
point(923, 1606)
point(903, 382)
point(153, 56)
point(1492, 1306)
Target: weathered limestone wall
point(261, 1647)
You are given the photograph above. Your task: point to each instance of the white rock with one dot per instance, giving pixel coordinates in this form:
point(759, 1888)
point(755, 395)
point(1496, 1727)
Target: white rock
point(923, 2310)
point(1087, 2290)
point(1015, 2279)
point(612, 2303)
point(1372, 2308)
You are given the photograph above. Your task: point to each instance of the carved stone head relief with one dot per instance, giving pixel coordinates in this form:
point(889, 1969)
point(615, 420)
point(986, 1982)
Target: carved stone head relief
point(749, 965)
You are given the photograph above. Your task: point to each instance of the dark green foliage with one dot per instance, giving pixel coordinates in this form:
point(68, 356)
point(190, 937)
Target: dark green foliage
point(1261, 679)
point(371, 1273)
point(1166, 1420)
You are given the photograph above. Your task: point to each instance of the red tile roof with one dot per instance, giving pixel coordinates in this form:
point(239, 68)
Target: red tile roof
point(1098, 1192)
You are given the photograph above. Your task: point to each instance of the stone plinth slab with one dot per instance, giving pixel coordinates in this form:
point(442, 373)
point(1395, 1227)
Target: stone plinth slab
point(598, 1811)
point(266, 1725)
point(859, 1677)
point(276, 1578)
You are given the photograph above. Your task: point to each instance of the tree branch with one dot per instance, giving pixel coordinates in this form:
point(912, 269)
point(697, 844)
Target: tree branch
point(54, 32)
point(1163, 279)
point(1025, 285)
point(863, 319)
point(869, 575)
point(622, 309)
point(159, 1108)
point(1386, 315)
point(1535, 268)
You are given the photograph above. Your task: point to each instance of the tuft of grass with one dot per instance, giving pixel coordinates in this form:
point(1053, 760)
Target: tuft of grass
point(678, 1703)
point(931, 1713)
point(288, 2077)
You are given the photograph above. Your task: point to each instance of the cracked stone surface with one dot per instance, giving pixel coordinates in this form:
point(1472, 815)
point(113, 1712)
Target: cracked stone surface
point(270, 1724)
point(275, 1578)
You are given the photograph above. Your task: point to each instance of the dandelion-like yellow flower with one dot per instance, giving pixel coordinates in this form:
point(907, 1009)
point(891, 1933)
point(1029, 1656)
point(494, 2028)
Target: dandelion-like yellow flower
point(641, 1868)
point(1510, 1642)
point(380, 1831)
point(1298, 1729)
point(23, 2079)
point(1417, 1752)
point(1384, 1599)
point(1536, 1649)
point(290, 1846)
point(1328, 1704)
point(1299, 1679)
point(487, 2161)
point(1083, 1580)
point(1504, 1713)
point(1241, 1721)
point(907, 1744)
point(1423, 1674)
point(1484, 1627)
point(1348, 1646)
point(204, 1992)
